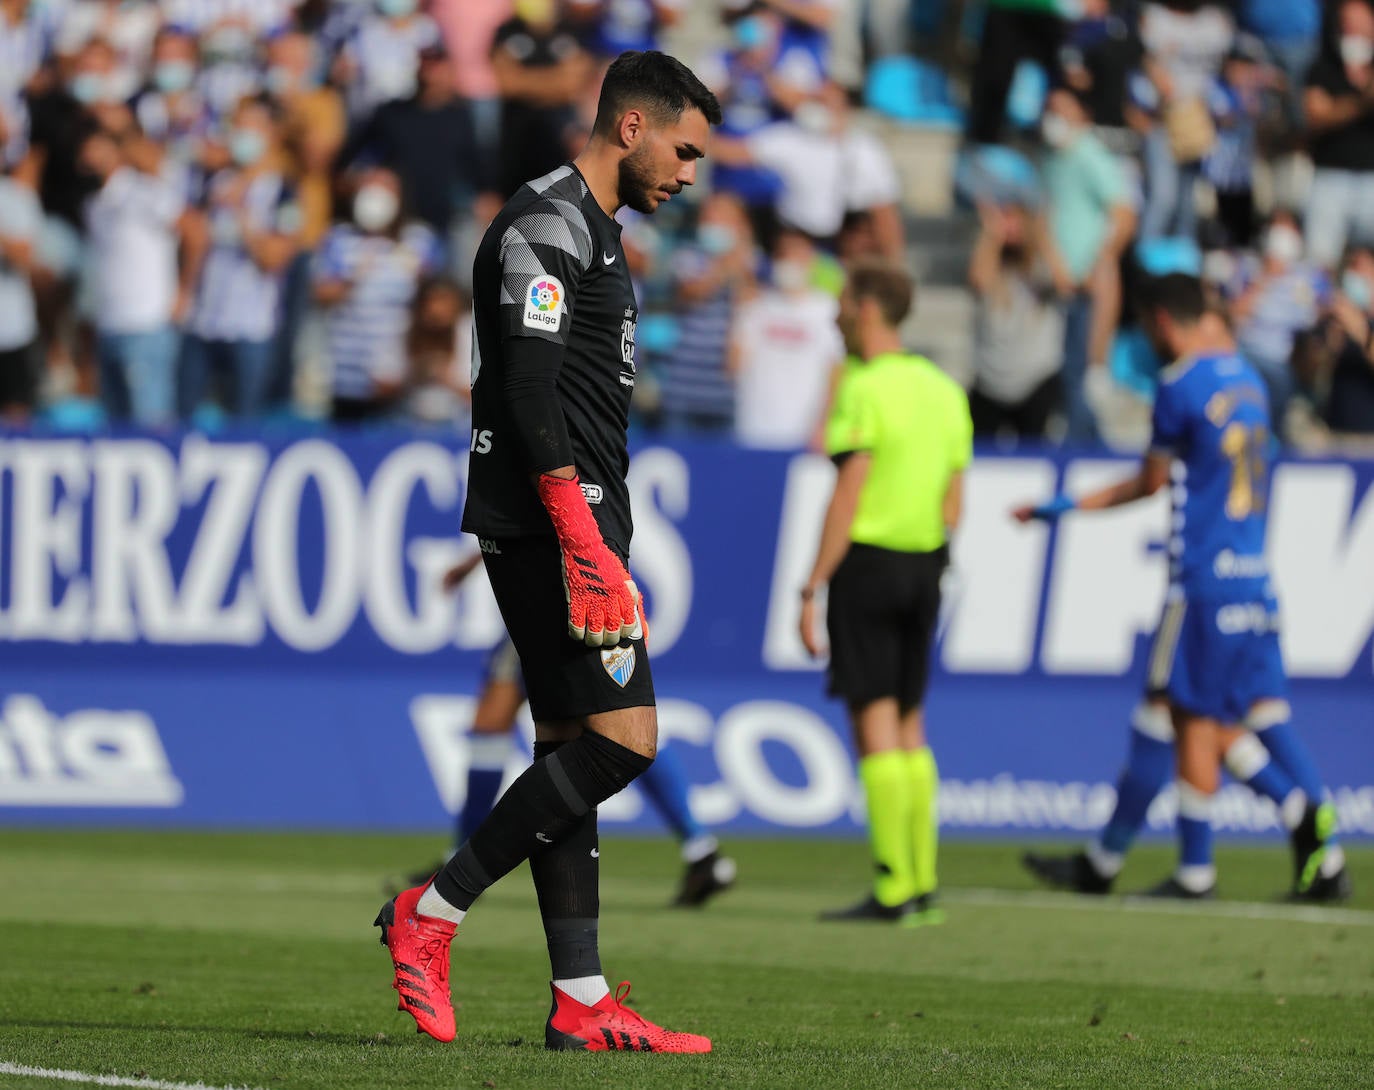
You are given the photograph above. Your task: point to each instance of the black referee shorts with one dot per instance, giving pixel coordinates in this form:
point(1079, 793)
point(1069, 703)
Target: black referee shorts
point(564, 679)
point(881, 618)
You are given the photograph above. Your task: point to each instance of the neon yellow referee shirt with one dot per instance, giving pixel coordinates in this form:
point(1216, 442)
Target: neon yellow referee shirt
point(913, 421)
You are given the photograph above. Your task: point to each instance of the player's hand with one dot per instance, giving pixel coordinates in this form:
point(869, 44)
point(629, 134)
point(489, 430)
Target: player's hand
point(603, 601)
point(1043, 512)
point(455, 575)
point(806, 628)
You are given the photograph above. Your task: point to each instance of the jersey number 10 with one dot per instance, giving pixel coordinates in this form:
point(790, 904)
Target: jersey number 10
point(1244, 445)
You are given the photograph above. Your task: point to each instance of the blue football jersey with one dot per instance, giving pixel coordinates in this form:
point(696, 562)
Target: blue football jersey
point(1211, 415)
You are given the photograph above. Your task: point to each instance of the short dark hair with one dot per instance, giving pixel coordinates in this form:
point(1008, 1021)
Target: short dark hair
point(887, 284)
point(1179, 295)
point(659, 84)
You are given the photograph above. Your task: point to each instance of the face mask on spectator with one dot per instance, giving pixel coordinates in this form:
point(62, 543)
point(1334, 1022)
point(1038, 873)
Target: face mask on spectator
point(375, 207)
point(90, 87)
point(396, 8)
point(229, 44)
point(716, 238)
point(173, 76)
point(1356, 50)
point(279, 80)
point(1057, 131)
point(1357, 288)
point(791, 275)
point(814, 117)
point(1283, 244)
point(247, 146)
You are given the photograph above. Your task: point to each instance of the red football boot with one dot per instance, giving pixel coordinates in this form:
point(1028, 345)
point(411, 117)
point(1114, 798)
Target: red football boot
point(419, 948)
point(610, 1026)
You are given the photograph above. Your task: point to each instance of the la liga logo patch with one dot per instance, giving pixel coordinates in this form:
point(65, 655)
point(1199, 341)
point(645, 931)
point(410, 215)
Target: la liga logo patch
point(544, 303)
point(619, 663)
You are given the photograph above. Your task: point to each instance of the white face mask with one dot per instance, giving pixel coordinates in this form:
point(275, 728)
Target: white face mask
point(1057, 131)
point(375, 207)
point(814, 117)
point(791, 276)
point(1283, 244)
point(1356, 50)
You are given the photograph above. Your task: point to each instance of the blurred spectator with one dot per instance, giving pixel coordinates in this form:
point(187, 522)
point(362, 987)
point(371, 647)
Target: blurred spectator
point(366, 277)
point(807, 23)
point(1277, 297)
point(427, 140)
point(469, 29)
point(1018, 327)
point(783, 346)
point(21, 220)
point(259, 18)
point(1013, 31)
point(170, 109)
point(759, 79)
point(126, 26)
point(229, 63)
point(713, 274)
point(1100, 50)
point(613, 26)
point(1339, 108)
point(25, 44)
point(1185, 43)
point(829, 168)
point(1334, 363)
point(1090, 222)
point(136, 224)
point(313, 127)
point(541, 70)
point(1291, 33)
point(379, 59)
point(439, 349)
point(1235, 100)
point(254, 231)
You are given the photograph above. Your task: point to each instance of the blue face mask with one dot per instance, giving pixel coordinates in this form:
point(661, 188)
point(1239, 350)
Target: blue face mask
point(716, 238)
point(88, 87)
point(1358, 290)
point(396, 9)
point(247, 146)
point(172, 76)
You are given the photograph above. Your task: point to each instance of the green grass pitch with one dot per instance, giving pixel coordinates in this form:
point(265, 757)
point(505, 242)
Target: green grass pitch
point(250, 960)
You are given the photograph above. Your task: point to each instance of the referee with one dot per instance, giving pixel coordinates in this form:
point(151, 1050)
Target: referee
point(553, 371)
point(901, 435)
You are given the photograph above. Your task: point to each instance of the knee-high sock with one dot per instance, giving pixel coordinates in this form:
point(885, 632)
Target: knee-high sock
point(665, 783)
point(1274, 728)
point(924, 778)
point(1248, 761)
point(1149, 766)
point(887, 789)
point(566, 879)
point(487, 754)
point(1196, 869)
point(544, 805)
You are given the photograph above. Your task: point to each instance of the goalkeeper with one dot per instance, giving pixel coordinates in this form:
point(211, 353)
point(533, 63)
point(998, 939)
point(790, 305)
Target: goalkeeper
point(901, 436)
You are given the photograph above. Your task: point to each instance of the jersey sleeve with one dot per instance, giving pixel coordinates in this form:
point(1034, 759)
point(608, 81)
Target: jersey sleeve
point(1167, 421)
point(853, 424)
point(544, 254)
point(961, 433)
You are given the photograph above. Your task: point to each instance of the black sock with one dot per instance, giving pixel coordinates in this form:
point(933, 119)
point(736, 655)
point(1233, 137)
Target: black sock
point(566, 879)
point(543, 806)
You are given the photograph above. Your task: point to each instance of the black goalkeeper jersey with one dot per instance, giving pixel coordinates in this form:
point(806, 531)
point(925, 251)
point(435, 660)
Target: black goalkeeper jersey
point(551, 269)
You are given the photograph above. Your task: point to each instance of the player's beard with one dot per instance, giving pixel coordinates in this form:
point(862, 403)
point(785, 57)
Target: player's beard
point(636, 182)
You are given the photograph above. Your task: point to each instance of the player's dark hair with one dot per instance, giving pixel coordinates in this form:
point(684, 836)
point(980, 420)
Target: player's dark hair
point(660, 85)
point(887, 284)
point(1179, 295)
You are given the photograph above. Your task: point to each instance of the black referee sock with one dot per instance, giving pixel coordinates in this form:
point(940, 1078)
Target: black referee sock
point(567, 882)
point(543, 806)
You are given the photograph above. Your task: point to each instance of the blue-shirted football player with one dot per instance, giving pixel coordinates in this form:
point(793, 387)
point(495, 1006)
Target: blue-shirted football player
point(1215, 666)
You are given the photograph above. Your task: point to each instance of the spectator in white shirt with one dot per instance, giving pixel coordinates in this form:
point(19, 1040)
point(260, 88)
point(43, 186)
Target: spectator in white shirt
point(254, 228)
point(380, 59)
point(783, 346)
point(134, 224)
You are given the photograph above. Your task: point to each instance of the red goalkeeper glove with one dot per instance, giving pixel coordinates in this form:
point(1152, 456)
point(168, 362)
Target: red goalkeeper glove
point(603, 602)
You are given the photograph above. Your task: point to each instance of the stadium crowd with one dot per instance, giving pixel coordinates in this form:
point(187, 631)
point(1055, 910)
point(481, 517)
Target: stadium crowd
point(216, 209)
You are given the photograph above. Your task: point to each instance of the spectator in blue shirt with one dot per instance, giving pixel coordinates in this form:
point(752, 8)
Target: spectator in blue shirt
point(1291, 33)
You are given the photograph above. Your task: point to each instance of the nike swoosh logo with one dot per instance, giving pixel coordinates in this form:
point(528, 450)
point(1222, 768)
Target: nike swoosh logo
point(596, 853)
point(542, 838)
point(608, 259)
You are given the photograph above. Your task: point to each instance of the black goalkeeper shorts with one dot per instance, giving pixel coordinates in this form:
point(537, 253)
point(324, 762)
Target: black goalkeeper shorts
point(881, 617)
point(564, 679)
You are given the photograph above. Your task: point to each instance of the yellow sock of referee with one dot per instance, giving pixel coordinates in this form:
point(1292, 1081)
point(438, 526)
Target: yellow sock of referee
point(887, 790)
point(923, 783)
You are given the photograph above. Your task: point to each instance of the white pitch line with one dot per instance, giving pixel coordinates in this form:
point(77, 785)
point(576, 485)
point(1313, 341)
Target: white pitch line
point(1236, 910)
point(104, 1080)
